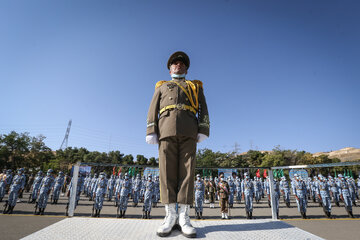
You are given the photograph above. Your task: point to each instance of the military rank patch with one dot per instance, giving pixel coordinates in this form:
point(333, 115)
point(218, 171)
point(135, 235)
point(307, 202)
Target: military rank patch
point(205, 122)
point(149, 124)
point(171, 85)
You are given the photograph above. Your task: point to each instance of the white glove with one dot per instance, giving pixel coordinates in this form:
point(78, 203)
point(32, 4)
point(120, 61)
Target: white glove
point(201, 137)
point(152, 138)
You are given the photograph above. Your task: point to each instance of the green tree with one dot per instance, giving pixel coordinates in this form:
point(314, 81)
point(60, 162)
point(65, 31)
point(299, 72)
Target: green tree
point(116, 157)
point(128, 159)
point(207, 158)
point(153, 162)
point(141, 160)
point(14, 147)
point(253, 158)
point(40, 155)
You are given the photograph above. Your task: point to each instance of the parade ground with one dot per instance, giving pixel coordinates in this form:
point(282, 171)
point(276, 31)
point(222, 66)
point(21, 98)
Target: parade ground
point(54, 225)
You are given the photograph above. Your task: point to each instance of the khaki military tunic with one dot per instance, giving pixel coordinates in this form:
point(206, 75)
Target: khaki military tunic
point(211, 189)
point(223, 191)
point(177, 116)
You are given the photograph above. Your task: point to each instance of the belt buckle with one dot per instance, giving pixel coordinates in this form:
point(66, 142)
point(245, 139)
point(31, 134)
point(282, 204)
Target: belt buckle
point(180, 106)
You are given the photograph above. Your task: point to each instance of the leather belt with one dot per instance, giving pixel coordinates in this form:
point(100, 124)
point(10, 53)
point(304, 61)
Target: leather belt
point(179, 107)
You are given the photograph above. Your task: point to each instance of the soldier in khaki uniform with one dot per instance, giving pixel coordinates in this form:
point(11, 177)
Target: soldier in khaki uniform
point(223, 192)
point(177, 119)
point(211, 188)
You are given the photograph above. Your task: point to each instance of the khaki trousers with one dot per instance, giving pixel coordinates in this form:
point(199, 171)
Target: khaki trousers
point(177, 169)
point(224, 205)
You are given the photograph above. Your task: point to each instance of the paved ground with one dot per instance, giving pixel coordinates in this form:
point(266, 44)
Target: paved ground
point(23, 222)
point(124, 229)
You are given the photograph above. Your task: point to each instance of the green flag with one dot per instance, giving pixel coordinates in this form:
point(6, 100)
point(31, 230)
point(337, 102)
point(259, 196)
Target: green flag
point(335, 173)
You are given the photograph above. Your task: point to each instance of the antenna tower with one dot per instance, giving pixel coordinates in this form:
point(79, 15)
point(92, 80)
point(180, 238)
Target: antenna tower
point(65, 141)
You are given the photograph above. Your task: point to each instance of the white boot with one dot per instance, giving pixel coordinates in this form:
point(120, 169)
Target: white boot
point(169, 220)
point(184, 221)
point(226, 216)
point(222, 215)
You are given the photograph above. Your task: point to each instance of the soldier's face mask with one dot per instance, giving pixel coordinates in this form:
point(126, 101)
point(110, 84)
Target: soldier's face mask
point(126, 178)
point(198, 178)
point(48, 174)
point(221, 179)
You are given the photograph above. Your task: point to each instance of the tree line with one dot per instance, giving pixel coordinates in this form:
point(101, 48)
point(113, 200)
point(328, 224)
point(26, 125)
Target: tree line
point(22, 150)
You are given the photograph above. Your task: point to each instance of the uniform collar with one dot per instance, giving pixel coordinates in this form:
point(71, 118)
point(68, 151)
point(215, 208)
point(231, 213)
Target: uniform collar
point(178, 76)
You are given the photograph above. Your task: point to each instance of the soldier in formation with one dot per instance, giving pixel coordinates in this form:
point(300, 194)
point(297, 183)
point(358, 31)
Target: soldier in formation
point(137, 187)
point(110, 188)
point(285, 190)
point(9, 179)
point(238, 189)
point(299, 189)
point(46, 185)
point(29, 182)
point(223, 193)
point(206, 194)
point(124, 192)
point(231, 191)
point(86, 184)
point(199, 196)
point(148, 196)
point(99, 194)
point(257, 189)
point(345, 195)
point(59, 182)
point(35, 187)
point(323, 192)
point(17, 185)
point(211, 188)
point(276, 196)
point(2, 184)
point(247, 189)
point(117, 189)
point(156, 195)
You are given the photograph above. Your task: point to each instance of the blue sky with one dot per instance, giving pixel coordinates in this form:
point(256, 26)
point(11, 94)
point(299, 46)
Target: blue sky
point(274, 72)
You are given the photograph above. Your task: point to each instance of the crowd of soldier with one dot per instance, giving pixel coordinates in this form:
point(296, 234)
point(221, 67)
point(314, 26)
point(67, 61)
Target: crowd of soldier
point(120, 188)
point(207, 190)
point(320, 189)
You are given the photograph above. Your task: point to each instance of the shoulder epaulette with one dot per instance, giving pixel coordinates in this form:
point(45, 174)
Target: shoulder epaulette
point(159, 83)
point(198, 82)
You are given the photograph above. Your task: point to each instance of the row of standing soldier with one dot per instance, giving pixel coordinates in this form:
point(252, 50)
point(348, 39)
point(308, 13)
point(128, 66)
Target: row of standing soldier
point(320, 189)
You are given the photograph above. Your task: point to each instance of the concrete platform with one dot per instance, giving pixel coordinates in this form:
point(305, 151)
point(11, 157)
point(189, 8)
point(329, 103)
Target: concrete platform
point(129, 229)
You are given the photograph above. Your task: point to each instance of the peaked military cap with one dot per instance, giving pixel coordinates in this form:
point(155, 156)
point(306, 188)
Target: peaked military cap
point(179, 56)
